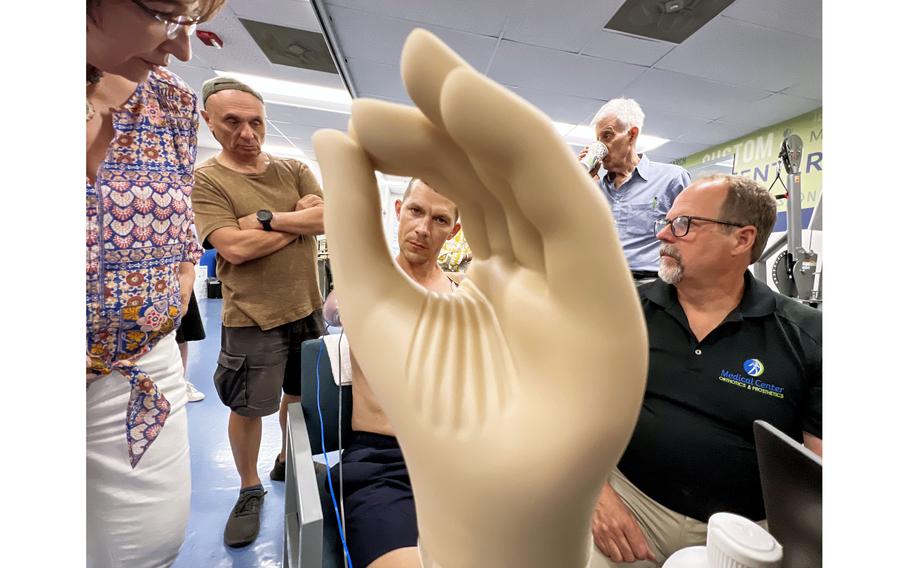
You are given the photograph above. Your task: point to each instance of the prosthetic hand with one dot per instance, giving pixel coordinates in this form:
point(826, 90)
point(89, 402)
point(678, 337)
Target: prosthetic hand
point(513, 398)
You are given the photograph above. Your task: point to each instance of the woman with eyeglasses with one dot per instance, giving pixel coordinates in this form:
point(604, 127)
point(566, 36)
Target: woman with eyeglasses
point(141, 124)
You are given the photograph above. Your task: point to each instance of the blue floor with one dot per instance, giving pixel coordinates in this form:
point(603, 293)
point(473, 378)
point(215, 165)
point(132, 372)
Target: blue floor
point(215, 479)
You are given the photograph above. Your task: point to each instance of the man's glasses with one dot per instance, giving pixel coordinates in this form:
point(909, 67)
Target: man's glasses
point(680, 225)
point(172, 23)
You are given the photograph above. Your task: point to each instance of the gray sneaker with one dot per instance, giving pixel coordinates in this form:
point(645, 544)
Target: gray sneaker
point(242, 526)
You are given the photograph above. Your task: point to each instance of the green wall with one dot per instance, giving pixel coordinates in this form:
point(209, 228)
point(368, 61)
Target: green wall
point(756, 155)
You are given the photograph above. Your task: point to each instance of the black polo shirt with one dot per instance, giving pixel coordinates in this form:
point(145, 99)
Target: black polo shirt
point(693, 450)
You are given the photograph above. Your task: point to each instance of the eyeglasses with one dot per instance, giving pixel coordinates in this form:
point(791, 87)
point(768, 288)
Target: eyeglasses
point(680, 225)
point(172, 23)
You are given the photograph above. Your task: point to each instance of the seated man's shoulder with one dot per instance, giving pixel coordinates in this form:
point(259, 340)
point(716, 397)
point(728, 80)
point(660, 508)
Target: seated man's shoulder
point(648, 291)
point(806, 318)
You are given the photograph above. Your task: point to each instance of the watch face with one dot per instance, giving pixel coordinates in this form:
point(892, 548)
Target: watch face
point(263, 216)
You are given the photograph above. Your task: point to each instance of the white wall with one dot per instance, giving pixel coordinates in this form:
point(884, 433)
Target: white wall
point(203, 153)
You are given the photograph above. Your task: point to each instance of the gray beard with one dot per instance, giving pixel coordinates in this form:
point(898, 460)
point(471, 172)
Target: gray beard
point(671, 274)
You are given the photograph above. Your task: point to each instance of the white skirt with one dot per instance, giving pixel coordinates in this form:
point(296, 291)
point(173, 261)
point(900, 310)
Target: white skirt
point(136, 518)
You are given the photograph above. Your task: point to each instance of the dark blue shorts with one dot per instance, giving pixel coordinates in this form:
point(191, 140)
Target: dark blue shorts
point(378, 500)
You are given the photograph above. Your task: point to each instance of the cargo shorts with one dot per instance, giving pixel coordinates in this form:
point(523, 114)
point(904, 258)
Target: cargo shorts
point(254, 366)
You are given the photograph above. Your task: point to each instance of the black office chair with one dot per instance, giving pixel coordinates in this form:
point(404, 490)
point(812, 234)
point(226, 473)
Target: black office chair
point(303, 522)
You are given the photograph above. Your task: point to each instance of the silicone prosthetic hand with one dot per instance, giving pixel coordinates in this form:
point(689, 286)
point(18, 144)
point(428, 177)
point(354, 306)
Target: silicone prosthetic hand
point(513, 398)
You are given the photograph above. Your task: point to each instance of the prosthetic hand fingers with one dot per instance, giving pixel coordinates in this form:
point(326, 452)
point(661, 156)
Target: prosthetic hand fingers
point(400, 140)
point(505, 135)
point(425, 64)
point(369, 285)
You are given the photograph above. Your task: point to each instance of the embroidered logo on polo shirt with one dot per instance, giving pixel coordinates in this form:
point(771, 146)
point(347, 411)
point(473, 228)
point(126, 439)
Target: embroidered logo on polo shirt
point(753, 367)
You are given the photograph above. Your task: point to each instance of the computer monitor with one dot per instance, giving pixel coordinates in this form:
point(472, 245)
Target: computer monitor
point(791, 482)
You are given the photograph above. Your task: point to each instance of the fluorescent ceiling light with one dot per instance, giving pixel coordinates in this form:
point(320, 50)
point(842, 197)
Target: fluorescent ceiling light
point(312, 105)
point(647, 143)
point(303, 95)
point(563, 127)
point(581, 134)
point(295, 94)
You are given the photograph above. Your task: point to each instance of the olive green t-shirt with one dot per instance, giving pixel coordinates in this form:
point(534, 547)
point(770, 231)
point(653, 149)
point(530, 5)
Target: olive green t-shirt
point(278, 288)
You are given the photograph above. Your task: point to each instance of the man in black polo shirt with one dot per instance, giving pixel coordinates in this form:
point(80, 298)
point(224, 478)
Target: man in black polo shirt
point(725, 350)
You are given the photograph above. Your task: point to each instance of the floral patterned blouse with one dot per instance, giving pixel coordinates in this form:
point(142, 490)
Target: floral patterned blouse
point(138, 228)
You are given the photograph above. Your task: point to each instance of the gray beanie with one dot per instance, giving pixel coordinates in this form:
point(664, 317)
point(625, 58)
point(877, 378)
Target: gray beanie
point(216, 84)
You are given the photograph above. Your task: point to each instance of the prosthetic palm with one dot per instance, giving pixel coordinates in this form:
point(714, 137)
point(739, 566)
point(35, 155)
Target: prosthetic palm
point(513, 398)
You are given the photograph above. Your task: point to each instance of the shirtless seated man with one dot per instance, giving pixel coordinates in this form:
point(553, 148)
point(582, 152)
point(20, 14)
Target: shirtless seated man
point(380, 520)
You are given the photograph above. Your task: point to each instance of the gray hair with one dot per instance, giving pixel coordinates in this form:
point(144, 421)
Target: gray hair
point(627, 111)
point(749, 203)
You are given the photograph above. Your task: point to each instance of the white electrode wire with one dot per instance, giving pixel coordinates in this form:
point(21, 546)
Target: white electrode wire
point(340, 449)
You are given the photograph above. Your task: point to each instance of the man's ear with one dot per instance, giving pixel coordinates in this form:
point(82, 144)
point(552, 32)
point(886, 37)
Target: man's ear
point(205, 116)
point(745, 238)
point(633, 133)
point(455, 230)
point(398, 209)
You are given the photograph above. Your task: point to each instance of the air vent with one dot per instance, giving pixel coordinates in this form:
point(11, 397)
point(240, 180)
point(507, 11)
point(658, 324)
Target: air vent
point(293, 47)
point(666, 20)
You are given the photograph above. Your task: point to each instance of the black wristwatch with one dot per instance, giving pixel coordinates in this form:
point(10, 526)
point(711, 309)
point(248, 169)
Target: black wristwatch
point(264, 216)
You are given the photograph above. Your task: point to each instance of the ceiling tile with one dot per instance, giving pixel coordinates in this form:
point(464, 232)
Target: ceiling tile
point(666, 125)
point(289, 117)
point(373, 79)
point(241, 55)
point(800, 17)
point(289, 13)
point(475, 16)
point(411, 9)
point(676, 150)
point(305, 145)
point(276, 139)
point(808, 86)
point(560, 25)
point(716, 132)
point(771, 110)
point(302, 132)
point(271, 129)
point(739, 53)
point(629, 49)
point(279, 141)
point(367, 36)
point(240, 52)
point(674, 93)
point(755, 65)
point(528, 66)
point(561, 108)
